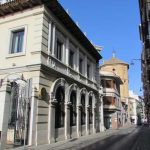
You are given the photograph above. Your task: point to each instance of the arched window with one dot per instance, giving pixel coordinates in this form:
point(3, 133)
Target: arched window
point(83, 109)
point(59, 109)
point(90, 111)
point(73, 109)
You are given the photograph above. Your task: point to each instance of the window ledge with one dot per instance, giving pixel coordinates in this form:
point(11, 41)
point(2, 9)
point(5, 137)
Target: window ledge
point(15, 55)
point(72, 68)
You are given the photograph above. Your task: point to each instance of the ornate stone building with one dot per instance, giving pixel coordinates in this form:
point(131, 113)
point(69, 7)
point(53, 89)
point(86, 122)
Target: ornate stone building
point(49, 75)
point(120, 68)
point(111, 99)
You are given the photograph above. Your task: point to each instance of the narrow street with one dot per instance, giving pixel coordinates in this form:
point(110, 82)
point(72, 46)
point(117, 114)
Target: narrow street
point(126, 139)
point(74, 75)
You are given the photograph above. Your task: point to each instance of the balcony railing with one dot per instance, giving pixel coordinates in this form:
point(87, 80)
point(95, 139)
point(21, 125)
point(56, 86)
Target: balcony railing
point(110, 90)
point(111, 107)
point(68, 71)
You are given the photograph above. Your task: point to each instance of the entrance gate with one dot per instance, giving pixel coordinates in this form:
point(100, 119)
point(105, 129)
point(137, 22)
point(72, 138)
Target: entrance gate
point(19, 113)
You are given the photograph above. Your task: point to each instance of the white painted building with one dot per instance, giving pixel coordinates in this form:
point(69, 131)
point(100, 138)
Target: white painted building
point(133, 100)
point(49, 75)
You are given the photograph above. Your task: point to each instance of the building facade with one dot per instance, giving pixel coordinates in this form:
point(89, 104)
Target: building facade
point(133, 112)
point(144, 6)
point(120, 68)
point(49, 75)
point(136, 109)
point(111, 99)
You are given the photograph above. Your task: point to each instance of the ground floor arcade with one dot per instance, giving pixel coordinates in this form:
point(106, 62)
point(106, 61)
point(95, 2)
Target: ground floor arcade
point(43, 108)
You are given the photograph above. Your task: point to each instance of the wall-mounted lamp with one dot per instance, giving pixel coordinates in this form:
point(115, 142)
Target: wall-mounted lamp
point(141, 90)
point(132, 61)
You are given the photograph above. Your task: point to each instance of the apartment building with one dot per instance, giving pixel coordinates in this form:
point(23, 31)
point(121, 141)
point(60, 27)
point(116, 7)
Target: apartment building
point(120, 68)
point(111, 99)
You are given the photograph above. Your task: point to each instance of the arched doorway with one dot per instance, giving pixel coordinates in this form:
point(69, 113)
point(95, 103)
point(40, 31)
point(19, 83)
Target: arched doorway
point(73, 114)
point(59, 113)
point(83, 115)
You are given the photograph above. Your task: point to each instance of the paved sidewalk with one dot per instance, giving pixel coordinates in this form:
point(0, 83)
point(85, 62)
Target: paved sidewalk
point(77, 143)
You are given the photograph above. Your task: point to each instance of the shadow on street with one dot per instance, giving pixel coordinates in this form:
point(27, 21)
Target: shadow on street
point(123, 140)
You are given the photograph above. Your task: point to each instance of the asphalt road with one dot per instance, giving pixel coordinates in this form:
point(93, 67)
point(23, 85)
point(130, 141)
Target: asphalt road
point(125, 139)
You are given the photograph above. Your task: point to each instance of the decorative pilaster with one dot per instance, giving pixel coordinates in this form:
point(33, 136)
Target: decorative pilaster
point(33, 112)
point(53, 39)
point(85, 66)
point(4, 112)
point(50, 38)
point(67, 120)
point(77, 60)
point(67, 52)
point(51, 121)
point(92, 72)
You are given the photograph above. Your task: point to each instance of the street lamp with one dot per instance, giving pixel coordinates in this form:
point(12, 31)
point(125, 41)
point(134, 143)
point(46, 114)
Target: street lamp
point(132, 61)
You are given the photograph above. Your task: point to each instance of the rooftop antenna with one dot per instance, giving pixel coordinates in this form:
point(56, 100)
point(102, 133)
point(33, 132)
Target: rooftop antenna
point(113, 53)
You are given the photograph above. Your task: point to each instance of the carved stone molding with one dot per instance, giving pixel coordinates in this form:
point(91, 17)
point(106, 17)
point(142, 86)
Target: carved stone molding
point(79, 106)
point(88, 107)
point(68, 104)
point(53, 102)
point(94, 107)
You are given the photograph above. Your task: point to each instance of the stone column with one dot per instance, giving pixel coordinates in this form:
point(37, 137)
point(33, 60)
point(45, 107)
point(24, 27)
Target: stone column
point(32, 123)
point(94, 119)
point(101, 115)
point(51, 121)
point(87, 119)
point(67, 120)
point(4, 112)
point(79, 120)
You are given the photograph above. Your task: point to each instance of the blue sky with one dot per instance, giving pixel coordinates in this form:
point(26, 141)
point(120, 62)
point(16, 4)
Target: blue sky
point(113, 24)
